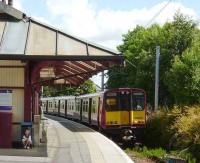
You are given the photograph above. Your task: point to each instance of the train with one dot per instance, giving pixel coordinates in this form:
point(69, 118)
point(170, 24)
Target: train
point(120, 111)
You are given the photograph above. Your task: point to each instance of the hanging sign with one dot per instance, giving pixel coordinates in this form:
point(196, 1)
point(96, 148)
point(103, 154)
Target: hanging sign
point(5, 100)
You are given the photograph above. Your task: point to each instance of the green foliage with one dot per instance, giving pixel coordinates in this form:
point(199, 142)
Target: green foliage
point(87, 87)
point(158, 132)
point(144, 152)
point(184, 76)
point(178, 129)
point(179, 41)
point(187, 128)
point(154, 153)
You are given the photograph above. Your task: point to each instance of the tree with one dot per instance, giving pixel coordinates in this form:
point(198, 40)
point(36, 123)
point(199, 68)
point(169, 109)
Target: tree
point(183, 79)
point(87, 87)
point(139, 48)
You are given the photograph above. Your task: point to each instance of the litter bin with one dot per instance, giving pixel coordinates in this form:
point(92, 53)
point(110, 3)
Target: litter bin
point(27, 125)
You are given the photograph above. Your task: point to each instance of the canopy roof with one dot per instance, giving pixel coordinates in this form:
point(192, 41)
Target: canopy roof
point(26, 39)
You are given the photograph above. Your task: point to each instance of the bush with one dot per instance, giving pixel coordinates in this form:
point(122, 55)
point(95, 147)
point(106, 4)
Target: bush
point(187, 128)
point(158, 132)
point(178, 129)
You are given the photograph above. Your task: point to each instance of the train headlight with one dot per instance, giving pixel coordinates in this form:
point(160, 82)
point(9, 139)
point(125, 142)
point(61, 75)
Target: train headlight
point(140, 122)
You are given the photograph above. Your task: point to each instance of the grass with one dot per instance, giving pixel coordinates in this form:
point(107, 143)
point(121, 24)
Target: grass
point(157, 153)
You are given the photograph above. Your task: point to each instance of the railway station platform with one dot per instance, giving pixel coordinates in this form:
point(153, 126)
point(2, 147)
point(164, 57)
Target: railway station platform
point(68, 142)
point(32, 55)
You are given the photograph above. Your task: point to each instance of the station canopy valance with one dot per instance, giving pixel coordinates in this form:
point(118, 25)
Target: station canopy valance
point(23, 38)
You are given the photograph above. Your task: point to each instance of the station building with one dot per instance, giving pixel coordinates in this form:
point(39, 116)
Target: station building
point(33, 54)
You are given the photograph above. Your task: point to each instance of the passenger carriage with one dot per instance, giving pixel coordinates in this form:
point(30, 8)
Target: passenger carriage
point(115, 111)
point(63, 106)
point(70, 107)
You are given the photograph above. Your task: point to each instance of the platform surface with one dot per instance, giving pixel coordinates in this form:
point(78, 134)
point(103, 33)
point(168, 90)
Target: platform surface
point(69, 142)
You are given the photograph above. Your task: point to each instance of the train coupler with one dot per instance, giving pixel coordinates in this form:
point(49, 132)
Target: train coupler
point(128, 135)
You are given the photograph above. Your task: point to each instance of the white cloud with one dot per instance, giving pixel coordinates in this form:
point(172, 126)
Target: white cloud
point(106, 26)
point(17, 4)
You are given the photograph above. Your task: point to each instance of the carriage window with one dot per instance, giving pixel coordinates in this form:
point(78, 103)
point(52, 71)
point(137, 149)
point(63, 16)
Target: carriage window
point(50, 104)
point(72, 105)
point(125, 100)
point(112, 101)
point(94, 105)
point(86, 106)
point(83, 106)
point(78, 104)
point(63, 105)
point(138, 101)
point(70, 108)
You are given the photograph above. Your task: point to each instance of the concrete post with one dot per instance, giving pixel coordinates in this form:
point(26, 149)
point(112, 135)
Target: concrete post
point(157, 77)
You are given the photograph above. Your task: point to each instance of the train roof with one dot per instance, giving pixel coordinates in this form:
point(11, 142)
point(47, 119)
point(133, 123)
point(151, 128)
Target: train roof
point(91, 94)
point(125, 89)
point(64, 97)
point(58, 97)
point(47, 98)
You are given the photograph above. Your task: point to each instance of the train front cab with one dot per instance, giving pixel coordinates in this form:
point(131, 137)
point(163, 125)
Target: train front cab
point(124, 109)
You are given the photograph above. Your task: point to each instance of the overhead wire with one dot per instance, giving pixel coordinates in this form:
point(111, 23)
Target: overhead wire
point(151, 20)
point(158, 13)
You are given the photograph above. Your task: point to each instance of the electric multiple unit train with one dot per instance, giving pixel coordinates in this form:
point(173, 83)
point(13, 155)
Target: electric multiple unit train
point(114, 111)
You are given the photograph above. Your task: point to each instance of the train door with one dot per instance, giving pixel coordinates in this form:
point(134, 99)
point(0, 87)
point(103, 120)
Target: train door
point(47, 107)
point(89, 110)
point(85, 110)
point(81, 106)
point(58, 107)
point(66, 108)
point(94, 110)
point(62, 107)
point(125, 107)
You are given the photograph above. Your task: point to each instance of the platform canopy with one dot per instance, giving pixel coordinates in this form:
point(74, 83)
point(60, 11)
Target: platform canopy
point(59, 56)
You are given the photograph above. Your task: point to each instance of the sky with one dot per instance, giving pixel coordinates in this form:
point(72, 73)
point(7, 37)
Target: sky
point(104, 21)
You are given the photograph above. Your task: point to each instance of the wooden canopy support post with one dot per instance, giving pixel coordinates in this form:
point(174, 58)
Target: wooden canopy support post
point(27, 95)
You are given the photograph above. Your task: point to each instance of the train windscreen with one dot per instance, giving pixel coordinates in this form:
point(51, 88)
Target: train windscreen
point(112, 102)
point(138, 101)
point(118, 101)
point(125, 100)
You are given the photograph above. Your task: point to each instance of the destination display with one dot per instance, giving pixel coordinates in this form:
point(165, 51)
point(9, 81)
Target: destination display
point(5, 99)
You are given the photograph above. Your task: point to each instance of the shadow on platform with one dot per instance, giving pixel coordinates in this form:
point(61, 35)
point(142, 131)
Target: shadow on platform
point(40, 151)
